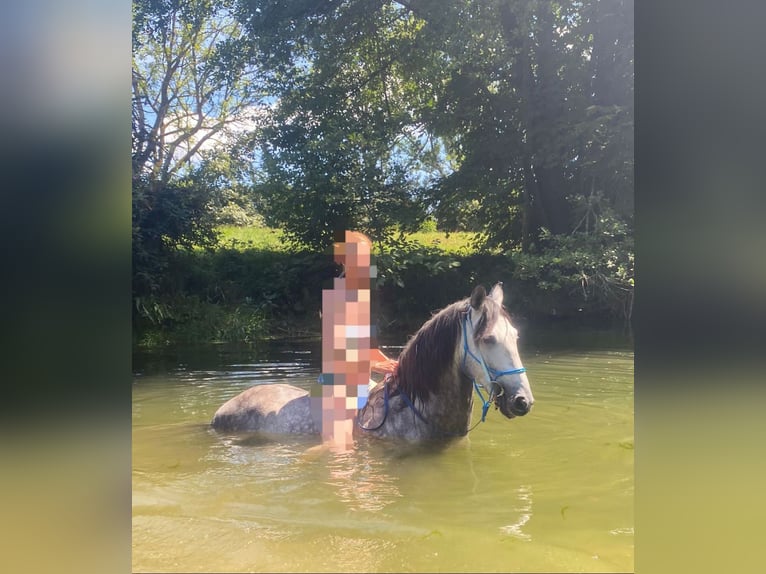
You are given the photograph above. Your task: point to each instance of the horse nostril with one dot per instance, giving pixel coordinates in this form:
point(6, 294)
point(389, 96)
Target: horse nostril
point(521, 404)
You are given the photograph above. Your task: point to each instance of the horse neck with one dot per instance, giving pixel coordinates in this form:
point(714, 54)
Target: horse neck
point(431, 355)
point(448, 408)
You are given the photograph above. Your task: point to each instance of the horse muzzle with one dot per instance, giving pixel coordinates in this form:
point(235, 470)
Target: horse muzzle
point(514, 406)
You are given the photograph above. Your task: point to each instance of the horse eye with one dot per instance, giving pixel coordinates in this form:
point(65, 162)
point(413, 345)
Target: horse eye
point(490, 339)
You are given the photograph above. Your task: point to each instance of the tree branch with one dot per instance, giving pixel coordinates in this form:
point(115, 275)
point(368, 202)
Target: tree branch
point(417, 11)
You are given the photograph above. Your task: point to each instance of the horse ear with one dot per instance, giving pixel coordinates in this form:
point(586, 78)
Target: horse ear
point(497, 293)
point(477, 297)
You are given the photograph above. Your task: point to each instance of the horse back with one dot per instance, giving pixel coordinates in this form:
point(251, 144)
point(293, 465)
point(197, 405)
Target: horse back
point(273, 408)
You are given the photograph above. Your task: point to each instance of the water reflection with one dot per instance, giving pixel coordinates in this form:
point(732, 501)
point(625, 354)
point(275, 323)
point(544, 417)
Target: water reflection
point(260, 455)
point(525, 513)
point(546, 493)
point(360, 480)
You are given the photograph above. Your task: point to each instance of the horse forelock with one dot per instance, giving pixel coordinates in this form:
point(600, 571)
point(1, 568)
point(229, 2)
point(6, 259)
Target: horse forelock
point(490, 312)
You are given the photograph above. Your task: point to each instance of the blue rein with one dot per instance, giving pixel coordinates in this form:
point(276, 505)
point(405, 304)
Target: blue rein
point(492, 374)
point(405, 398)
point(385, 408)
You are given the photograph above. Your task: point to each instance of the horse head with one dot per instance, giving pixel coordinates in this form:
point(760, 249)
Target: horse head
point(490, 353)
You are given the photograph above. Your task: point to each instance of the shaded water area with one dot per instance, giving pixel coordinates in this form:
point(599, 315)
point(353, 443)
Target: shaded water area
point(549, 492)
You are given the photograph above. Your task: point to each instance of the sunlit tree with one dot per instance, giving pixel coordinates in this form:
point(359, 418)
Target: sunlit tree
point(194, 83)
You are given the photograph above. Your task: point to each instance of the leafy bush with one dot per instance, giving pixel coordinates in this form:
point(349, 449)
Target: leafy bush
point(190, 319)
point(428, 226)
point(234, 295)
point(588, 271)
point(164, 219)
point(415, 280)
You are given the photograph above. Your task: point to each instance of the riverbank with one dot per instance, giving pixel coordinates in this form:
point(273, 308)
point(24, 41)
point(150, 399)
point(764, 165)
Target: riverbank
point(252, 286)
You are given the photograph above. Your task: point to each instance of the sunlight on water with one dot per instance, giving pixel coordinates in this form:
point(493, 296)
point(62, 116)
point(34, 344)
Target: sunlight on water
point(552, 491)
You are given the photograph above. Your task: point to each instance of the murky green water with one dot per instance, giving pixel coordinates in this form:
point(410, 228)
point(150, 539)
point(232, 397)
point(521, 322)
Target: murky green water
point(551, 492)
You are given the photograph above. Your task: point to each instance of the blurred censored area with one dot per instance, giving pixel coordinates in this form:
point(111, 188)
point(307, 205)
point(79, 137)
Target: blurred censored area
point(65, 224)
point(348, 339)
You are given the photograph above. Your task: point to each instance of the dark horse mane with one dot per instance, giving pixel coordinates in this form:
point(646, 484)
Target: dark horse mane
point(429, 353)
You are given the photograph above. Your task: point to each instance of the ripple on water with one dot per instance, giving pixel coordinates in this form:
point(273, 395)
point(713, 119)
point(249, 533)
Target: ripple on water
point(206, 501)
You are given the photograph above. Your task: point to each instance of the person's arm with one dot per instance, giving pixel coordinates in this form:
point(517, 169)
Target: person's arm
point(379, 363)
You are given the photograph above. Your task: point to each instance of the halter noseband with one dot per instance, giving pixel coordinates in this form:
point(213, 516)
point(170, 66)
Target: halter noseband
point(492, 374)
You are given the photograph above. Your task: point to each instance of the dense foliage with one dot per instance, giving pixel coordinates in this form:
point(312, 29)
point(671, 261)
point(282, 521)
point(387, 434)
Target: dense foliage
point(517, 110)
point(194, 87)
point(510, 118)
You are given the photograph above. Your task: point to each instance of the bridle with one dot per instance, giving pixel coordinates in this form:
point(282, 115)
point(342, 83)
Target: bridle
point(492, 374)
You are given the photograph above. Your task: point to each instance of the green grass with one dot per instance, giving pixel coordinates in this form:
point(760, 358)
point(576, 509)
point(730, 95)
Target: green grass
point(459, 242)
point(269, 239)
point(254, 237)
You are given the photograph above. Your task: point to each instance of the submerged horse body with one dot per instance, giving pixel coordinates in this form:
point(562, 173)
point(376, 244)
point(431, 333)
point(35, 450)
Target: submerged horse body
point(469, 346)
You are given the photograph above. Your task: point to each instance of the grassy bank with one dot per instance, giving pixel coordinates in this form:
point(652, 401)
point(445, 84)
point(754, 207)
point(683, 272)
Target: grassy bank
point(268, 239)
point(254, 286)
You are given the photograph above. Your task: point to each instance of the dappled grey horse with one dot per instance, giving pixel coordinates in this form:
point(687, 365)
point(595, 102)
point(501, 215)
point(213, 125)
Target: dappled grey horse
point(468, 346)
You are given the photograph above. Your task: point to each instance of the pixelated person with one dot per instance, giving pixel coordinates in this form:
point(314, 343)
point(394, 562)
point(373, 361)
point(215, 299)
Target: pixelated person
point(349, 347)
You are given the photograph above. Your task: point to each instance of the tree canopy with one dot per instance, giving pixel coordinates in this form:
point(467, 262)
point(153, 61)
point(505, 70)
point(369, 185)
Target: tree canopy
point(511, 118)
point(521, 111)
point(194, 80)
